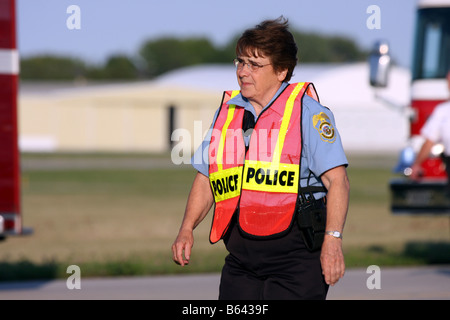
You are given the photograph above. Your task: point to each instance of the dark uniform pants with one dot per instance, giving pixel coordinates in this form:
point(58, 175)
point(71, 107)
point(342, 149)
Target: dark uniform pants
point(275, 269)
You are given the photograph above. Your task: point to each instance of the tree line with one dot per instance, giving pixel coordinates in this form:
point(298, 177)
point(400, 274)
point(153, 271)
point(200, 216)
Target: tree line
point(161, 55)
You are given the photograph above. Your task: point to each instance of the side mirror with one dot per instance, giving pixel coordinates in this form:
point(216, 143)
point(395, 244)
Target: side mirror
point(379, 62)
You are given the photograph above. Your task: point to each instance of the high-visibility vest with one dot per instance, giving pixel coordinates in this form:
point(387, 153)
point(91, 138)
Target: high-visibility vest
point(263, 181)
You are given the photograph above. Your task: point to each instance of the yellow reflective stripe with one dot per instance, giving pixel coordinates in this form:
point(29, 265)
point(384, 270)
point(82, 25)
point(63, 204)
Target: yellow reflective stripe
point(226, 183)
point(263, 176)
point(230, 114)
point(284, 124)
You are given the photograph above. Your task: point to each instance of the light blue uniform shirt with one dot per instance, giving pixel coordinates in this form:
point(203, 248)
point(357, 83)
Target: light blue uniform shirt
point(319, 154)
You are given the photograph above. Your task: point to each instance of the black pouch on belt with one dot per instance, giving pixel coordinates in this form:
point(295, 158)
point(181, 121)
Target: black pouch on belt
point(311, 218)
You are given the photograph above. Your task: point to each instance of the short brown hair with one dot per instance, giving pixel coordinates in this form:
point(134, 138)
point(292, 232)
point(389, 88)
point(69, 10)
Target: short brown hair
point(272, 39)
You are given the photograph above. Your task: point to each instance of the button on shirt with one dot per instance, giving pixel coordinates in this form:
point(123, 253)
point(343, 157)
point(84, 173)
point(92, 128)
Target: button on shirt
point(318, 155)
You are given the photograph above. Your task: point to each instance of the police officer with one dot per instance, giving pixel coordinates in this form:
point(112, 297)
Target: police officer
point(272, 154)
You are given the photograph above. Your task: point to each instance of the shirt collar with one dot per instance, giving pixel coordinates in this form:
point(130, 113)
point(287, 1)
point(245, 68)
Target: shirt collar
point(240, 100)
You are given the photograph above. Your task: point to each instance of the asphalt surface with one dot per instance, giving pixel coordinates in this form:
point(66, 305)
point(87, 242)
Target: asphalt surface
point(418, 283)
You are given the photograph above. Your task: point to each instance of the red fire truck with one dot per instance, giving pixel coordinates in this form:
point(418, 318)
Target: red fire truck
point(431, 60)
point(10, 215)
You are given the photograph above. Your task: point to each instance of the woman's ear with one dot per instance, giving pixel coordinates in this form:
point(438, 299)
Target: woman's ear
point(282, 75)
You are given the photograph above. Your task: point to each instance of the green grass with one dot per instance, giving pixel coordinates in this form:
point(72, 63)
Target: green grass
point(117, 222)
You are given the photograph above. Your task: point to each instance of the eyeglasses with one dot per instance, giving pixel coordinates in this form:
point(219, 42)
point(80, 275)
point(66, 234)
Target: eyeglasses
point(252, 66)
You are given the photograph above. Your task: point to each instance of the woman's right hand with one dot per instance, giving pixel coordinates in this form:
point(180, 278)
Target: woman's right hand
point(182, 246)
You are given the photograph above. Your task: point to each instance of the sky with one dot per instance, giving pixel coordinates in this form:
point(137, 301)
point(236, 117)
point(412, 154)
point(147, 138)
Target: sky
point(108, 27)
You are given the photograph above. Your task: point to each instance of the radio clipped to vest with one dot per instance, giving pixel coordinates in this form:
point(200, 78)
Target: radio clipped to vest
point(312, 218)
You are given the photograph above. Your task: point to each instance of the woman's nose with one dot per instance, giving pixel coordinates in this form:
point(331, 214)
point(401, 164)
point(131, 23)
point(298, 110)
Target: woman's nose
point(243, 71)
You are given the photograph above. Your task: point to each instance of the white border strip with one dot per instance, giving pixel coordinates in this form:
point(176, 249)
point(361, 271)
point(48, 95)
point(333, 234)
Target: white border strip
point(9, 61)
point(433, 3)
point(429, 89)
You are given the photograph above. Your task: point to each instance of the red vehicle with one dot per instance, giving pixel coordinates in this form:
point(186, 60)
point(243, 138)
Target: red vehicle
point(10, 215)
point(428, 88)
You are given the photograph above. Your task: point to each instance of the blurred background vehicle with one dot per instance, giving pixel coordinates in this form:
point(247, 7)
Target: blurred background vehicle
point(431, 59)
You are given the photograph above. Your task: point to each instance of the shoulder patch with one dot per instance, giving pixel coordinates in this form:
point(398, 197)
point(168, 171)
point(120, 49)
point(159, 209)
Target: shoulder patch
point(323, 125)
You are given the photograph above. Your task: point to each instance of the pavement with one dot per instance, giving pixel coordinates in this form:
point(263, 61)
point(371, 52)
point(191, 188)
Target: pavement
point(373, 283)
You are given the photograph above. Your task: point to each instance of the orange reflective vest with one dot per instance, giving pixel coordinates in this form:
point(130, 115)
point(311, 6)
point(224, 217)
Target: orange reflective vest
point(263, 182)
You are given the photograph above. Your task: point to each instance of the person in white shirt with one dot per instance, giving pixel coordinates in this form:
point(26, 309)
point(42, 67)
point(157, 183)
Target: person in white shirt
point(435, 130)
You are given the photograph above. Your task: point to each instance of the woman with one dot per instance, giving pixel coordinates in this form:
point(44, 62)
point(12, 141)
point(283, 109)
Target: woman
point(272, 149)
